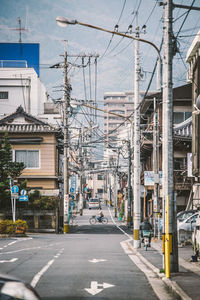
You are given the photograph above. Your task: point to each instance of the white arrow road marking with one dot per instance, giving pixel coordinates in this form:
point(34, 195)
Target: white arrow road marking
point(11, 260)
point(96, 260)
point(94, 287)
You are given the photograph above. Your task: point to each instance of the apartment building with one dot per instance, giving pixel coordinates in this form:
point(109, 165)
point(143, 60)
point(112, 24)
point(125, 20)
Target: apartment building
point(119, 103)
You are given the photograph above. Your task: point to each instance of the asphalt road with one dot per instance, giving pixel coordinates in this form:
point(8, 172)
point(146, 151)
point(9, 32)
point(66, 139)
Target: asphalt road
point(90, 262)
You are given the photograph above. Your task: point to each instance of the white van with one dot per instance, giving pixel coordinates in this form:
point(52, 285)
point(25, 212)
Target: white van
point(94, 203)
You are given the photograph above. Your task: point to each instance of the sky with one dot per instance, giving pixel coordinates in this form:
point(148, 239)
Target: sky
point(116, 65)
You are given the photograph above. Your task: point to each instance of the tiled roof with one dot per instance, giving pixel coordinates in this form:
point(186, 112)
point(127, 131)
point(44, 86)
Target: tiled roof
point(184, 129)
point(31, 128)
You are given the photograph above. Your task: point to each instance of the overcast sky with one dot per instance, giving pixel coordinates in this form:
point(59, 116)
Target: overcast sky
point(116, 65)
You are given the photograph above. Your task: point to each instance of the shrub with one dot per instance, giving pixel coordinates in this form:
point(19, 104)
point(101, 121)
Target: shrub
point(10, 227)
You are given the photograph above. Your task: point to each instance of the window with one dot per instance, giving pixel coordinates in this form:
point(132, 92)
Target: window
point(113, 125)
point(179, 163)
point(100, 191)
point(130, 99)
point(4, 95)
point(192, 219)
point(29, 157)
point(179, 117)
point(116, 118)
point(99, 177)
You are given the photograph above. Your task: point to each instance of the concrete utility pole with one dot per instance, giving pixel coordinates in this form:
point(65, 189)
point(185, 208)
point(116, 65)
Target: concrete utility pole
point(136, 179)
point(66, 103)
point(156, 207)
point(129, 184)
point(115, 192)
point(81, 172)
point(167, 133)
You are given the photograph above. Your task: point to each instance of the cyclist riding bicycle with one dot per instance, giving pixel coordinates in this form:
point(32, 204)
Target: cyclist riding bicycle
point(145, 226)
point(100, 215)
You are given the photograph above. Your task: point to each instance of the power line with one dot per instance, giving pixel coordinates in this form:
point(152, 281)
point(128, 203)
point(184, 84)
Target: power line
point(113, 34)
point(185, 18)
point(125, 33)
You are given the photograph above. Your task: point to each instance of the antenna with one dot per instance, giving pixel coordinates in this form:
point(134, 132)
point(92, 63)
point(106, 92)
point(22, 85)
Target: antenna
point(20, 29)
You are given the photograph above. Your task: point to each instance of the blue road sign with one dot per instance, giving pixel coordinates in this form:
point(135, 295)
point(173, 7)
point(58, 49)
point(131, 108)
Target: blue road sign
point(23, 198)
point(72, 197)
point(23, 192)
point(72, 190)
point(14, 189)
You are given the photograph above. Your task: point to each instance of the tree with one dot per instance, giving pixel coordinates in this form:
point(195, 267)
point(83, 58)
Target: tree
point(8, 169)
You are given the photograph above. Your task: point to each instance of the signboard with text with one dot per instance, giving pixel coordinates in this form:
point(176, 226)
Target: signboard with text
point(149, 178)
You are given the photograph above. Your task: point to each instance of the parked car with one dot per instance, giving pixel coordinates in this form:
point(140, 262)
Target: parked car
point(183, 215)
point(189, 223)
point(15, 289)
point(196, 237)
point(186, 227)
point(93, 203)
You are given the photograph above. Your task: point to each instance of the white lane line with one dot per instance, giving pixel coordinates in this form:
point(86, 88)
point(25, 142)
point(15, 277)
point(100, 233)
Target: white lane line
point(15, 251)
point(16, 241)
point(37, 277)
point(11, 260)
point(118, 225)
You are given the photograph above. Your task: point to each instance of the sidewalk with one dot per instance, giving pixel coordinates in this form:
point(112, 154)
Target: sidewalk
point(186, 283)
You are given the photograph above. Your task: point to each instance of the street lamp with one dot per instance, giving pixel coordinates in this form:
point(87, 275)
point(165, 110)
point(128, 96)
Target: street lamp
point(63, 22)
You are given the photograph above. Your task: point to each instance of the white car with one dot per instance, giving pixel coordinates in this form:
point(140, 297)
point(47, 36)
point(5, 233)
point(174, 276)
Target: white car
point(196, 237)
point(189, 223)
point(186, 228)
point(93, 203)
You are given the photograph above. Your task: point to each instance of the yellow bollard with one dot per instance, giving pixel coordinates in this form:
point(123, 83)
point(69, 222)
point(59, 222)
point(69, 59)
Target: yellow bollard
point(136, 234)
point(66, 228)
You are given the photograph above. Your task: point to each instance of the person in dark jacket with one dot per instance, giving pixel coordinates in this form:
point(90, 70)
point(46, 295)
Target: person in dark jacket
point(145, 226)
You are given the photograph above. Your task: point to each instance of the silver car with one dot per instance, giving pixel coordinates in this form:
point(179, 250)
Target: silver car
point(186, 228)
point(189, 223)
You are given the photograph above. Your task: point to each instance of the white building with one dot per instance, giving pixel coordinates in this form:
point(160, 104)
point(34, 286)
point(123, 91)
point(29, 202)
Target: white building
point(21, 86)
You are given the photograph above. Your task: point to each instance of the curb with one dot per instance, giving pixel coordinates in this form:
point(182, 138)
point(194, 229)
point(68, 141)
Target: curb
point(170, 284)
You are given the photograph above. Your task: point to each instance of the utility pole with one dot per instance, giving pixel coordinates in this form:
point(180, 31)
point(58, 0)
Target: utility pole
point(167, 147)
point(129, 184)
point(136, 180)
point(115, 191)
point(156, 207)
point(81, 172)
point(66, 103)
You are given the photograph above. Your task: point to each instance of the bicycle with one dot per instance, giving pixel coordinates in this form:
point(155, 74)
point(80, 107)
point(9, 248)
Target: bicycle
point(147, 238)
point(73, 220)
point(94, 219)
